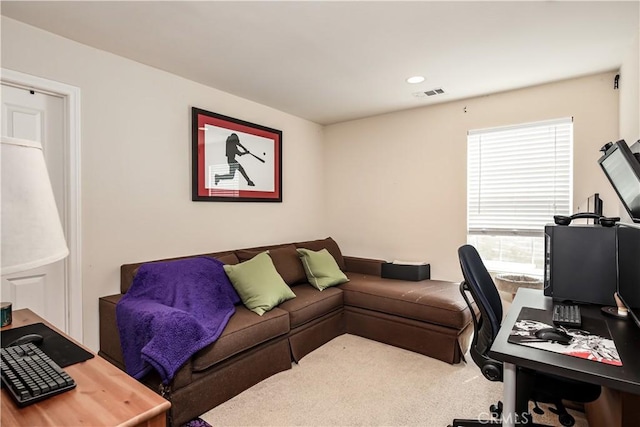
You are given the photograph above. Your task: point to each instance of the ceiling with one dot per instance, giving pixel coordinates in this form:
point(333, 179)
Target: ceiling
point(332, 61)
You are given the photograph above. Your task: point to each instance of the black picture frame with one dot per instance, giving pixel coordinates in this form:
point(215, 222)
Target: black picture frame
point(234, 160)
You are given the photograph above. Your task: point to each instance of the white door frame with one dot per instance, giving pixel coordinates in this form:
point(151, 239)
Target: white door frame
point(72, 221)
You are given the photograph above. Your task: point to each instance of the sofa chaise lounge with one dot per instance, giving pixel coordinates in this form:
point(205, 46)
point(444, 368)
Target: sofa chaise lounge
point(428, 317)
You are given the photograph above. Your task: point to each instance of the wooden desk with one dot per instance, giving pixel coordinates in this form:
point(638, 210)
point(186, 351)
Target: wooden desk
point(104, 396)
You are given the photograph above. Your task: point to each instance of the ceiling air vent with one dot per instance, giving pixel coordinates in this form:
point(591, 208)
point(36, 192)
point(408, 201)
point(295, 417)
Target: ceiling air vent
point(432, 92)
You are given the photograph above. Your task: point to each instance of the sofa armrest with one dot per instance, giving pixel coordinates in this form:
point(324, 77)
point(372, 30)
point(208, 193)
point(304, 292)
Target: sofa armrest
point(110, 348)
point(368, 266)
point(109, 336)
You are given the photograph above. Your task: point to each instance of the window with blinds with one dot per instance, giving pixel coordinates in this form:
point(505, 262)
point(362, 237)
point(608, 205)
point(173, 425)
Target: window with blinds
point(518, 178)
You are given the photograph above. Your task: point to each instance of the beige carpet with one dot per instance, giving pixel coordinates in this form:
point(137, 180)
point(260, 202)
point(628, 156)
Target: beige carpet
point(353, 381)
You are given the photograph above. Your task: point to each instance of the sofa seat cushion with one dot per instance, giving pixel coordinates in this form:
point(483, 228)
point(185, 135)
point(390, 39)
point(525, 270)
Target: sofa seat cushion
point(245, 330)
point(433, 301)
point(311, 303)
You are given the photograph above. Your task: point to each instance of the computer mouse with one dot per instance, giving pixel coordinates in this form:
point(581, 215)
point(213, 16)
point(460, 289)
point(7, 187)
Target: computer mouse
point(555, 335)
point(25, 339)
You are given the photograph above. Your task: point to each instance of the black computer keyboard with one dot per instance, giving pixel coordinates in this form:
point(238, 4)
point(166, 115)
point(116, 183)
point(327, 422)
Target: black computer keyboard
point(30, 375)
point(567, 315)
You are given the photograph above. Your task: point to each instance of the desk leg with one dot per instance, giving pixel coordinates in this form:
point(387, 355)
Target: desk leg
point(509, 395)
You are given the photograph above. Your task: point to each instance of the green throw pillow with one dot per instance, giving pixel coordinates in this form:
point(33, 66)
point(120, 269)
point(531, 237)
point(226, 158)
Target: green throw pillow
point(321, 268)
point(258, 283)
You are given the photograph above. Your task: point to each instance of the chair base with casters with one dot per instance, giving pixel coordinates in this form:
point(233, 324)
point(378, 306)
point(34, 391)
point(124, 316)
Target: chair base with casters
point(496, 412)
point(479, 423)
point(526, 382)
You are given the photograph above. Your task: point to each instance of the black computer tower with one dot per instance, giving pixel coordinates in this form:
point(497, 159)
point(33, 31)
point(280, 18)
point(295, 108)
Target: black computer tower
point(580, 263)
point(629, 269)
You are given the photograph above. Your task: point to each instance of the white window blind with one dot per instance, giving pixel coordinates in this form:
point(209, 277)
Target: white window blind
point(519, 177)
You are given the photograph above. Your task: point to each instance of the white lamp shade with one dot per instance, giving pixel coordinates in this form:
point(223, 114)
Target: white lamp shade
point(32, 235)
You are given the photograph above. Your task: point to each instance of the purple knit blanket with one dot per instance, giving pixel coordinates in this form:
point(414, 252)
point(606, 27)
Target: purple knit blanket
point(172, 310)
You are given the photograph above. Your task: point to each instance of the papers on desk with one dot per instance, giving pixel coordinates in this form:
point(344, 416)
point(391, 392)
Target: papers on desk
point(584, 344)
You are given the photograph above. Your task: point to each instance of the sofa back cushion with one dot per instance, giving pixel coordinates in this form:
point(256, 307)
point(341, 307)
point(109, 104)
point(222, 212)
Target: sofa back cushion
point(227, 258)
point(128, 271)
point(285, 259)
point(328, 244)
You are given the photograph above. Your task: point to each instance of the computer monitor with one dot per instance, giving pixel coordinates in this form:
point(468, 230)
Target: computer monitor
point(629, 268)
point(622, 169)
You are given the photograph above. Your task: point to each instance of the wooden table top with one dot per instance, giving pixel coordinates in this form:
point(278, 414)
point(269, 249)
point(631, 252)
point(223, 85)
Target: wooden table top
point(104, 395)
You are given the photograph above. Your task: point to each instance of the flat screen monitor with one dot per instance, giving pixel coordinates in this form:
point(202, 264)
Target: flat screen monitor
point(622, 169)
point(629, 268)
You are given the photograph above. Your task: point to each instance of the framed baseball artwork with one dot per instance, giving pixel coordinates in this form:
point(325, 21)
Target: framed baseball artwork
point(234, 160)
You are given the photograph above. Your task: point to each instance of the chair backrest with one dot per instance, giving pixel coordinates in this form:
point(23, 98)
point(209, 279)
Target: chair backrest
point(486, 296)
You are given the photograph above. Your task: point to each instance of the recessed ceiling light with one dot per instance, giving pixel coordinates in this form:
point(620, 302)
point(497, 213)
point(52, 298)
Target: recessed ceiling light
point(415, 79)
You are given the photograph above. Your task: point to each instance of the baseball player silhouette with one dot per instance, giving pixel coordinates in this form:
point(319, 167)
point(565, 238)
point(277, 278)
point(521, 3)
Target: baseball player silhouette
point(233, 146)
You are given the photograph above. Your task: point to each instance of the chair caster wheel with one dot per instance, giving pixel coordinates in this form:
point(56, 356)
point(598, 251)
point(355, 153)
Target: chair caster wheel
point(566, 420)
point(538, 410)
point(496, 410)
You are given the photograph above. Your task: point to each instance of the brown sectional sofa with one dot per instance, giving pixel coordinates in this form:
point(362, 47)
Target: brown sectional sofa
point(429, 317)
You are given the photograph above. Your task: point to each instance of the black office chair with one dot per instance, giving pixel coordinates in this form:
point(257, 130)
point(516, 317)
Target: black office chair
point(532, 385)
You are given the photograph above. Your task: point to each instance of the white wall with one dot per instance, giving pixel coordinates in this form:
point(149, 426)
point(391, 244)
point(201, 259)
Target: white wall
point(396, 183)
point(630, 102)
point(136, 173)
point(630, 93)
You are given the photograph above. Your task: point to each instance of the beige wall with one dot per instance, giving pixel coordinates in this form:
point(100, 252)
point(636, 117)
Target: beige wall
point(136, 176)
point(630, 101)
point(396, 183)
point(630, 93)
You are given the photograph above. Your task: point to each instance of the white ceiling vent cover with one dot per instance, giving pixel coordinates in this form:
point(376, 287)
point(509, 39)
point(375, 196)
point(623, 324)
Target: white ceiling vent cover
point(432, 92)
